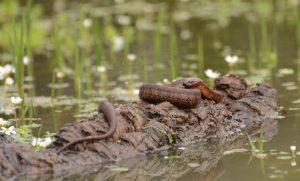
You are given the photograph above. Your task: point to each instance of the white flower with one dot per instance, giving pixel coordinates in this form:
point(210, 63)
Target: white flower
point(8, 131)
point(136, 91)
point(185, 34)
point(181, 148)
point(1, 73)
point(285, 71)
point(43, 142)
point(293, 163)
point(293, 148)
point(7, 111)
point(60, 74)
point(16, 100)
point(101, 69)
point(3, 122)
point(131, 57)
point(9, 81)
point(211, 74)
point(231, 59)
point(87, 22)
point(118, 43)
point(7, 69)
point(166, 81)
point(123, 20)
point(26, 60)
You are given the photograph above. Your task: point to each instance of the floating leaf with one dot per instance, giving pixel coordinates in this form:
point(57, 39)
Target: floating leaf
point(285, 71)
point(238, 150)
point(288, 84)
point(284, 157)
point(260, 155)
point(297, 101)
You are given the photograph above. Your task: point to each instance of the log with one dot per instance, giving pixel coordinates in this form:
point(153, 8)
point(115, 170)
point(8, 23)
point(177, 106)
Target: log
point(144, 128)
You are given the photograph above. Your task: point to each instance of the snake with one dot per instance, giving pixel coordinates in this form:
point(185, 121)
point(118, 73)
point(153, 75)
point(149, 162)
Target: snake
point(111, 117)
point(180, 97)
point(185, 93)
point(196, 83)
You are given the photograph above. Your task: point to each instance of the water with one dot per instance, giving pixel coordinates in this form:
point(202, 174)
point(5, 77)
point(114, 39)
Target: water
point(225, 28)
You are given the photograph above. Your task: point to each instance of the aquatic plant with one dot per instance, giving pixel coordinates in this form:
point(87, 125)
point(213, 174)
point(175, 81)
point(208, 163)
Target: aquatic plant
point(58, 63)
point(17, 49)
point(158, 41)
point(200, 46)
point(9, 131)
point(252, 55)
point(85, 45)
point(99, 51)
point(173, 53)
point(78, 71)
point(212, 75)
point(231, 60)
point(39, 143)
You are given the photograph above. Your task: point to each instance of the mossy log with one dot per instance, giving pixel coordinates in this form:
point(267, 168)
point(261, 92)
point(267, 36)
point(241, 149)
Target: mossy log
point(145, 128)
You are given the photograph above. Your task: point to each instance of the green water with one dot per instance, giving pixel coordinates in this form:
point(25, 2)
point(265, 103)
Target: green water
point(272, 55)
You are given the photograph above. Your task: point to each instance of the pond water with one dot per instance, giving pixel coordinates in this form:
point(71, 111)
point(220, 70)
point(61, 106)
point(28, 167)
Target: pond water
point(83, 52)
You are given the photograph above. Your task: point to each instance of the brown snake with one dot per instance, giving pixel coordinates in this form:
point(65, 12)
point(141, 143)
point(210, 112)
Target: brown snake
point(111, 117)
point(183, 93)
point(185, 98)
point(196, 83)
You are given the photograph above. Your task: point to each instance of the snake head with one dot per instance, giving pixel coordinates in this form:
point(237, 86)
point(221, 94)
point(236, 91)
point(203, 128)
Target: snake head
point(192, 82)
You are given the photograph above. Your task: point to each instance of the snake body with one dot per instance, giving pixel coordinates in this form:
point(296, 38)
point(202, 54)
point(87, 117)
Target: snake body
point(110, 115)
point(185, 98)
point(184, 93)
point(196, 83)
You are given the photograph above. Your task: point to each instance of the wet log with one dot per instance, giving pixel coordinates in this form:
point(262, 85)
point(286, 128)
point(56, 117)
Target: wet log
point(145, 128)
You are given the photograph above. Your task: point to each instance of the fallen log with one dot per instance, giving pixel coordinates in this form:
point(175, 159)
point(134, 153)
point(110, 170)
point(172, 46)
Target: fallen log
point(145, 128)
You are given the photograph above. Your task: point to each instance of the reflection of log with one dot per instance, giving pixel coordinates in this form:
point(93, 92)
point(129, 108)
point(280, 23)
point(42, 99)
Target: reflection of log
point(145, 128)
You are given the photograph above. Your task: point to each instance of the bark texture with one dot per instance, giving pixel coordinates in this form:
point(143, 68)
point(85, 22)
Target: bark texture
point(145, 128)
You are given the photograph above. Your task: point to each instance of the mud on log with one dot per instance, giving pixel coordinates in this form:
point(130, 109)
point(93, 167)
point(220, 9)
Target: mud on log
point(145, 128)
